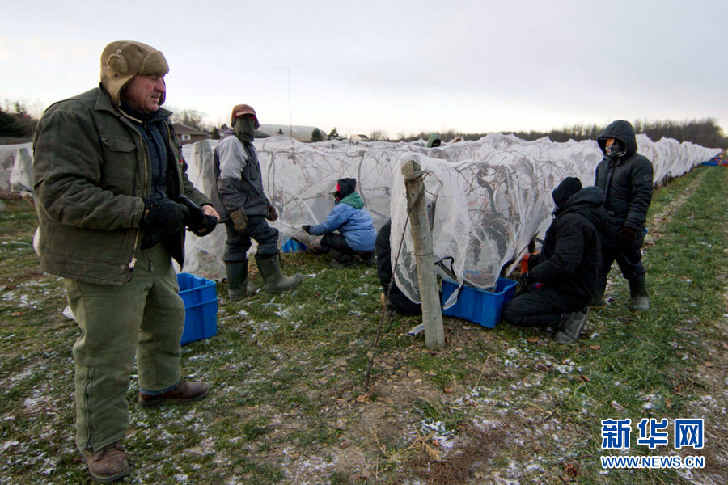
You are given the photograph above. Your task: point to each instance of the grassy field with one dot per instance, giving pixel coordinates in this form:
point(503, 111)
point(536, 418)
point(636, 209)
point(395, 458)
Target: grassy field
point(289, 404)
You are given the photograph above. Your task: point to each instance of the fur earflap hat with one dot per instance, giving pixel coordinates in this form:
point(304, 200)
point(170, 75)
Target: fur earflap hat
point(243, 109)
point(121, 60)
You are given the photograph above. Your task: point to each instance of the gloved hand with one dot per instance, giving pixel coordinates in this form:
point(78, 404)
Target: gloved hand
point(627, 235)
point(307, 229)
point(272, 213)
point(164, 214)
point(197, 221)
point(240, 220)
point(524, 282)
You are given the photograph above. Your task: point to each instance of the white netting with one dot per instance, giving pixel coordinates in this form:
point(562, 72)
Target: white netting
point(492, 195)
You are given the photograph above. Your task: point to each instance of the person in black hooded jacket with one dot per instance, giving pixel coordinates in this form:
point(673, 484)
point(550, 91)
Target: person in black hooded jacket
point(626, 178)
point(567, 266)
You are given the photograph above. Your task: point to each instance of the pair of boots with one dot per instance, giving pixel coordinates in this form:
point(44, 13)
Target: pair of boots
point(640, 299)
point(274, 281)
point(342, 260)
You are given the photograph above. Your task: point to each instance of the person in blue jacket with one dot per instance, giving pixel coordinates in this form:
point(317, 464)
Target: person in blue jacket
point(356, 233)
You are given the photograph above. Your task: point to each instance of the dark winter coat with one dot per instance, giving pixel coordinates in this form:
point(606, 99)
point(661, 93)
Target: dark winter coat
point(627, 183)
point(383, 248)
point(239, 179)
point(91, 168)
point(571, 256)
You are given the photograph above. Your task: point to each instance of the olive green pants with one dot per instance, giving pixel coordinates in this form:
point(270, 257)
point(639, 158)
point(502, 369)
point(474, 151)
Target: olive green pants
point(143, 317)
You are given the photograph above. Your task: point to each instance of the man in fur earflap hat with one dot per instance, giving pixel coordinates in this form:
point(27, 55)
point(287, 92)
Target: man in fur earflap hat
point(113, 203)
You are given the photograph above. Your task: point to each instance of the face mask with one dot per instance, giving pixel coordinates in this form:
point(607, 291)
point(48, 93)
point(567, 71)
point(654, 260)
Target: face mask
point(245, 128)
point(615, 149)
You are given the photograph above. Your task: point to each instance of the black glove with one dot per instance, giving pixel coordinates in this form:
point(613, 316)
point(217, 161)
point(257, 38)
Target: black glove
point(164, 214)
point(524, 282)
point(627, 235)
point(197, 221)
point(307, 229)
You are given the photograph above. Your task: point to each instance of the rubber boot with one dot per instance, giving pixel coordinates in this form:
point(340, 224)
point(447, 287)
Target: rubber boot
point(598, 300)
point(275, 282)
point(341, 260)
point(368, 259)
point(571, 325)
point(638, 292)
point(237, 279)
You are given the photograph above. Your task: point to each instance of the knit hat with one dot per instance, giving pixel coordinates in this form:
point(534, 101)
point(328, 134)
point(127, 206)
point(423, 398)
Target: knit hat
point(243, 109)
point(568, 187)
point(121, 60)
point(344, 187)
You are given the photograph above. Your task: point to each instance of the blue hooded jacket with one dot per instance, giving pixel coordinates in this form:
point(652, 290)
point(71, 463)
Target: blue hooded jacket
point(353, 221)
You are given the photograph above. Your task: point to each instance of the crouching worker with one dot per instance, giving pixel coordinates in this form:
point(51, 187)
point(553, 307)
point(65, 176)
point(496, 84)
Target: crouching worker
point(356, 233)
point(397, 301)
point(567, 267)
point(245, 209)
point(110, 183)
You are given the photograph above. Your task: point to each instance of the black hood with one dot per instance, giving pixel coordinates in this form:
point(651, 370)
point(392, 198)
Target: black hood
point(588, 202)
point(623, 131)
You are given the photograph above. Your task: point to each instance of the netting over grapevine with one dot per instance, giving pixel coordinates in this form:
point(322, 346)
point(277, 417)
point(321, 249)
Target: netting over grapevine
point(491, 196)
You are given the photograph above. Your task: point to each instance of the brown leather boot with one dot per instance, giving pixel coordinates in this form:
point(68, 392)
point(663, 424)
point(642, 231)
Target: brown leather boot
point(183, 392)
point(107, 464)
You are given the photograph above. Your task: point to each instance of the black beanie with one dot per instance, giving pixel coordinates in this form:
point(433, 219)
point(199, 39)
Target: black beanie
point(345, 187)
point(568, 187)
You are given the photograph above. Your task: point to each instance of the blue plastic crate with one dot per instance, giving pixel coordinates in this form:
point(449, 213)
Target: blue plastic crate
point(200, 297)
point(479, 306)
point(292, 246)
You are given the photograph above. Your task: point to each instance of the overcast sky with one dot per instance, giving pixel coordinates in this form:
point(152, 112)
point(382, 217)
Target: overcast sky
point(398, 66)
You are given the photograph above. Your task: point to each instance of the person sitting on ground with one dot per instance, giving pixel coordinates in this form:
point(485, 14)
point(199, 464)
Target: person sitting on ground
point(356, 233)
point(567, 267)
point(397, 301)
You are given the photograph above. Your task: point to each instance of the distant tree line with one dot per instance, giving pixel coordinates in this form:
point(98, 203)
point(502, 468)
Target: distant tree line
point(15, 121)
point(705, 132)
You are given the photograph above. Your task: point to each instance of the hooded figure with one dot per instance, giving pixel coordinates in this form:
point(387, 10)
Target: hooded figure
point(567, 267)
point(626, 178)
point(356, 233)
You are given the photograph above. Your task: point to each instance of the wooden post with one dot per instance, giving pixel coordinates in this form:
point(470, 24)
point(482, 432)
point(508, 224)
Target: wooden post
point(422, 238)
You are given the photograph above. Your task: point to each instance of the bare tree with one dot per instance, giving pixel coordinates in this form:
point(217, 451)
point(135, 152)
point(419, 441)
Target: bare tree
point(378, 135)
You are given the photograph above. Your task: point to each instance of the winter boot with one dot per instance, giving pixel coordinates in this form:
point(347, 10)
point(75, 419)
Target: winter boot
point(108, 464)
point(341, 260)
point(368, 259)
point(387, 305)
point(638, 292)
point(270, 270)
point(237, 278)
point(571, 325)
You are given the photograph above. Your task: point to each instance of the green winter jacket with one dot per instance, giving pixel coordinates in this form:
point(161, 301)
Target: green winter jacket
point(91, 170)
